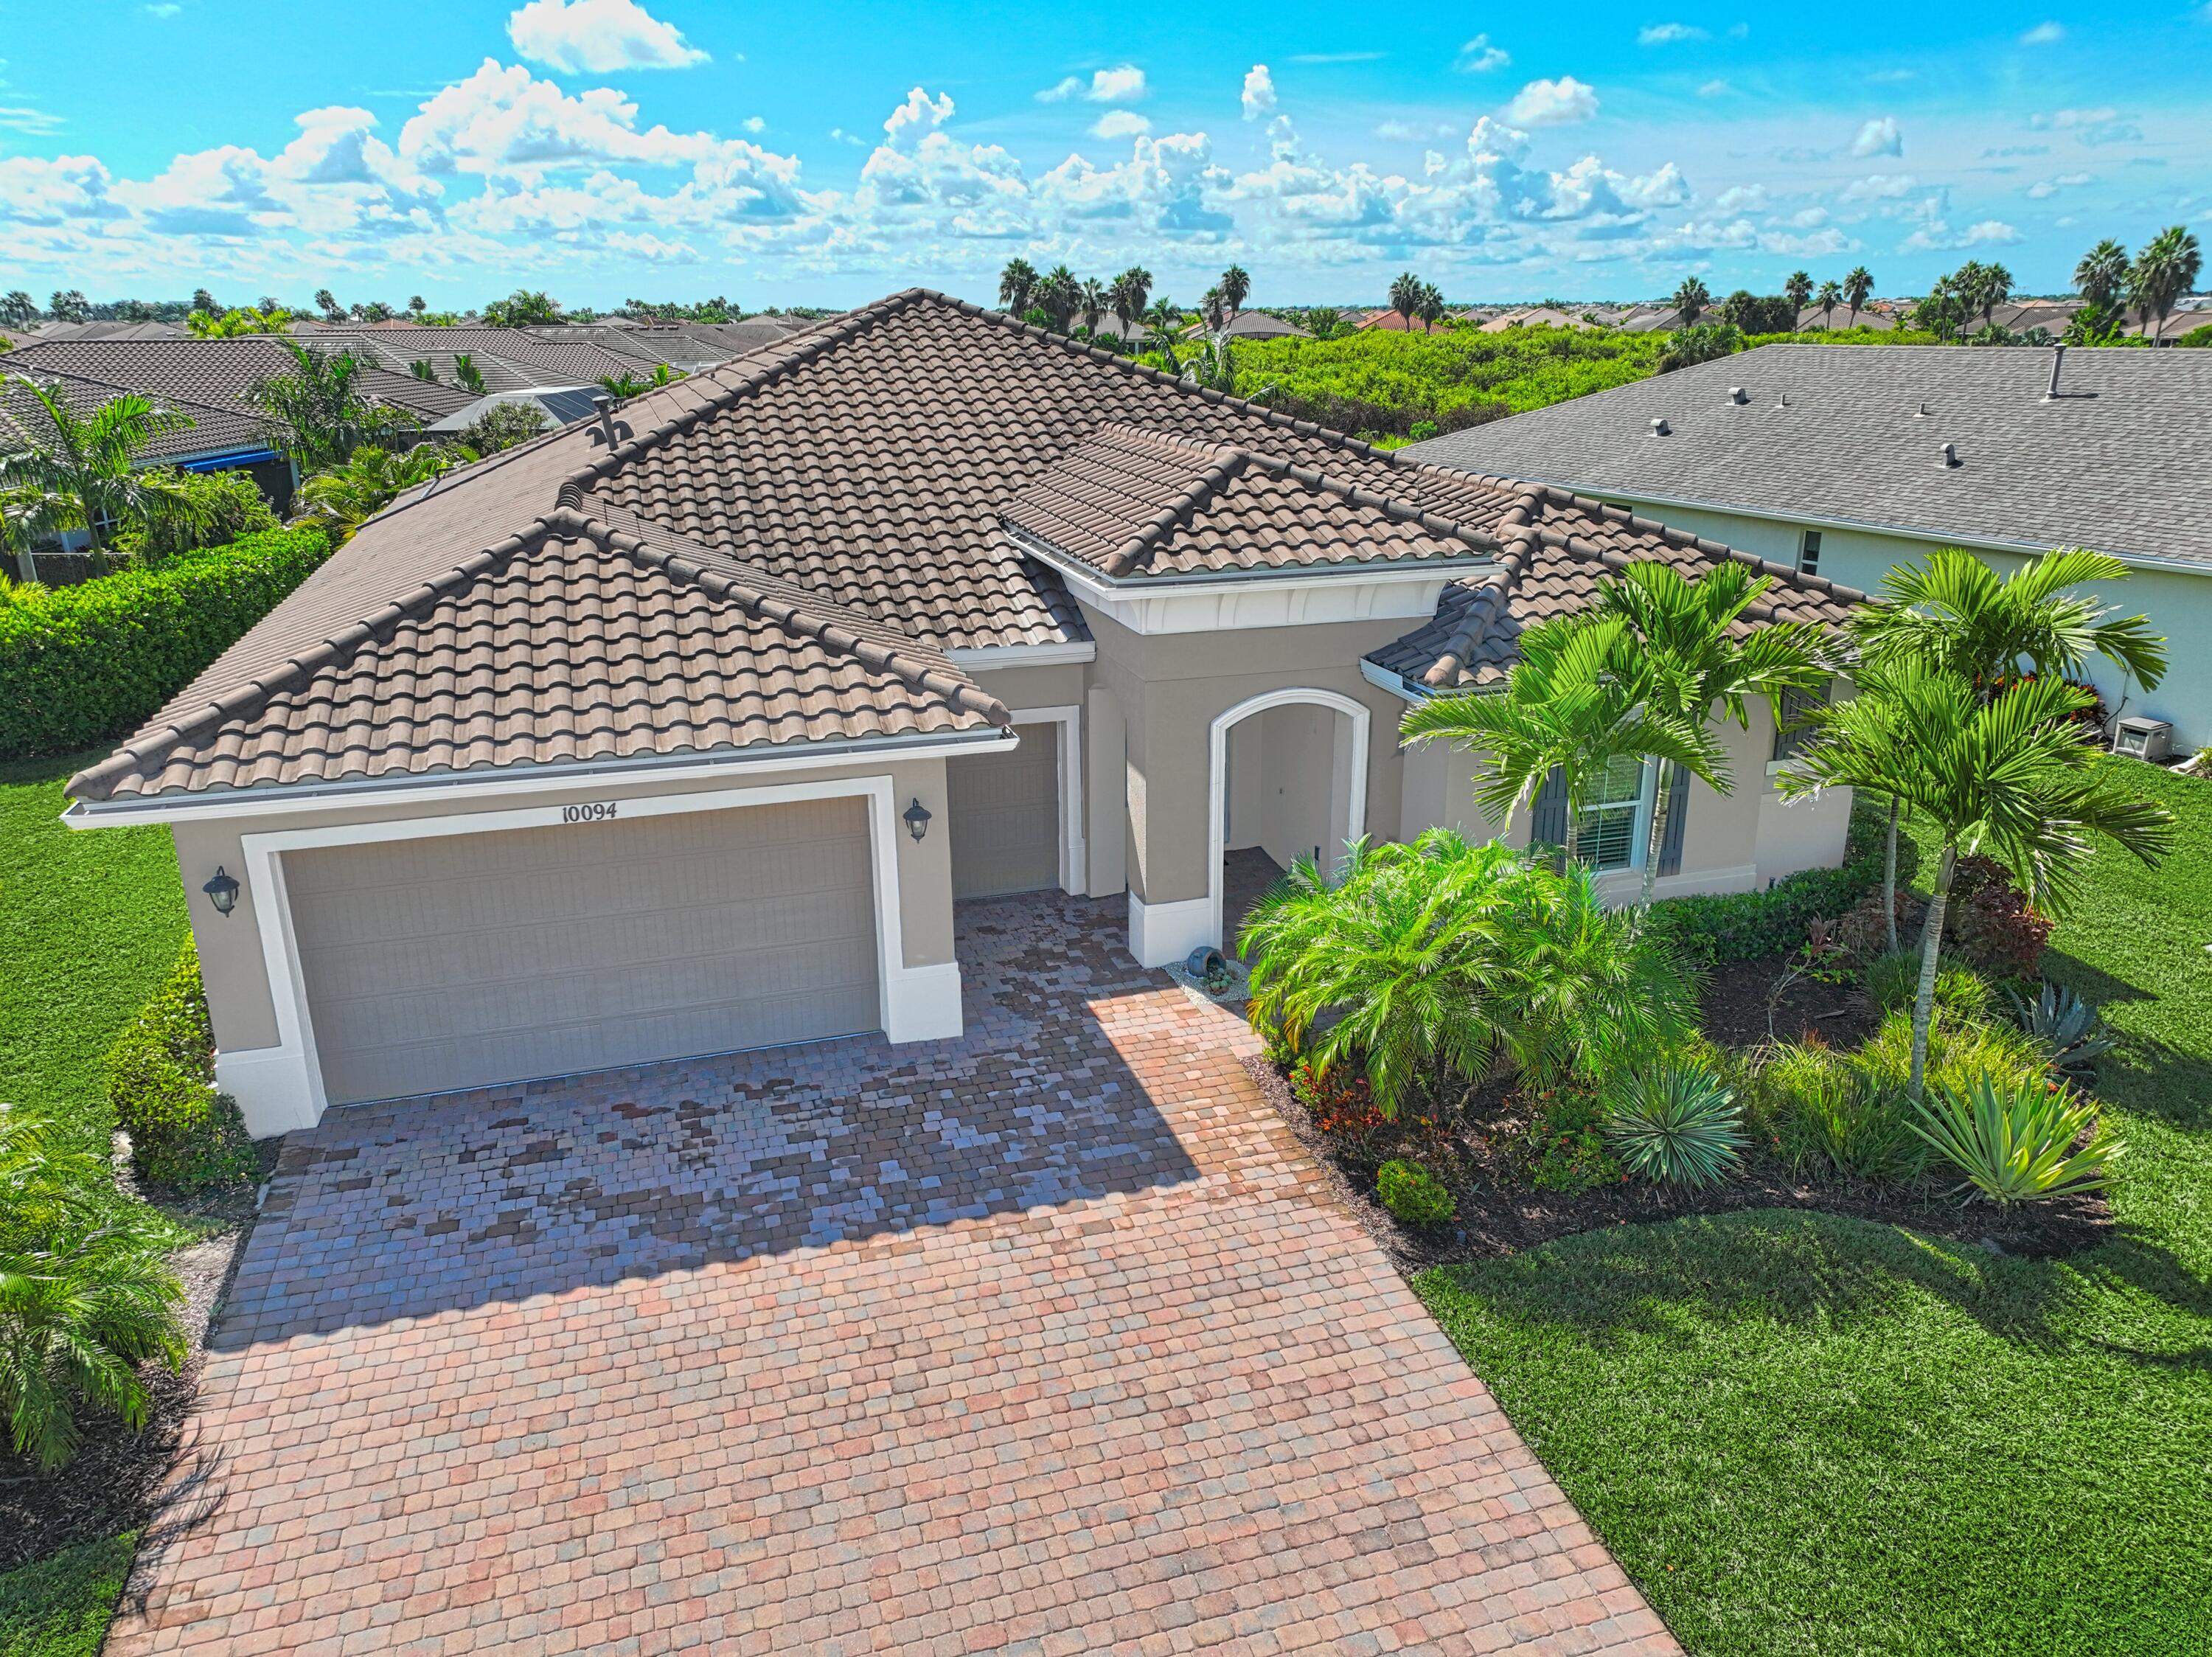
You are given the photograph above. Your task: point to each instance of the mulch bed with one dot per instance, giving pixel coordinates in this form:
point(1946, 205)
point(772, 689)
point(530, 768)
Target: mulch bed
point(1473, 1150)
point(120, 1478)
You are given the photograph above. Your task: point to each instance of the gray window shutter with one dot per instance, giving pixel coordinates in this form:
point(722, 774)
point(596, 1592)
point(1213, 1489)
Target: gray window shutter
point(1678, 820)
point(1548, 817)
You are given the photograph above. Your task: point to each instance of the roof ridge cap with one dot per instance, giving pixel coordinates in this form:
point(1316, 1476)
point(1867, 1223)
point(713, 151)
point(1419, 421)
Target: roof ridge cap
point(340, 644)
point(914, 663)
point(1518, 545)
point(1391, 506)
point(1210, 482)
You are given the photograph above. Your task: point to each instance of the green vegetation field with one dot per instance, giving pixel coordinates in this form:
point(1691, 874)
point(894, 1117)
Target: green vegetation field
point(60, 1605)
point(1804, 1434)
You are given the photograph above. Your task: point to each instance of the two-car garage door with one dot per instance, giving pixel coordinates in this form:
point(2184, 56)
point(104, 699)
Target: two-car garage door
point(460, 960)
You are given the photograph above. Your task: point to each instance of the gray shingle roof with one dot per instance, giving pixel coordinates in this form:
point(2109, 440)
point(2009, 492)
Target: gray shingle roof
point(24, 421)
point(2121, 461)
point(219, 372)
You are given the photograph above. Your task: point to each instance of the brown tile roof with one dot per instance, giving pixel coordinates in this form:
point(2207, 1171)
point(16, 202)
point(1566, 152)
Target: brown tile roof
point(1131, 502)
point(219, 372)
point(1557, 545)
point(859, 472)
point(24, 421)
point(574, 641)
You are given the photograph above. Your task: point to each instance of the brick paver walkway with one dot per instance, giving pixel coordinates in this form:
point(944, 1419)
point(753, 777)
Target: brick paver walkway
point(1049, 1340)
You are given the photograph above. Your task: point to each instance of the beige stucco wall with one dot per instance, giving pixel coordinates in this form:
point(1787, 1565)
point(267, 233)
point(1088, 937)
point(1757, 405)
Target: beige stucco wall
point(2178, 603)
point(231, 962)
point(1169, 688)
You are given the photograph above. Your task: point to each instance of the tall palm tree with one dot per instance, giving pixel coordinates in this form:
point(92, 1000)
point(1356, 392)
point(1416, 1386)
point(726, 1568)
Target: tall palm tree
point(79, 472)
point(1236, 288)
point(1406, 296)
point(2002, 776)
point(1574, 704)
point(1700, 662)
point(1090, 302)
point(1798, 290)
point(2164, 271)
point(1954, 614)
point(1830, 297)
point(318, 414)
point(1164, 318)
point(1214, 310)
point(1432, 305)
point(1691, 298)
point(1059, 295)
point(2101, 278)
point(1128, 294)
point(1858, 288)
point(1017, 284)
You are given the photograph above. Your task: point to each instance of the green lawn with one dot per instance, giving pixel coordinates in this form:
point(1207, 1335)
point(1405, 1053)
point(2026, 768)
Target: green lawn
point(60, 1605)
point(1804, 1434)
point(89, 922)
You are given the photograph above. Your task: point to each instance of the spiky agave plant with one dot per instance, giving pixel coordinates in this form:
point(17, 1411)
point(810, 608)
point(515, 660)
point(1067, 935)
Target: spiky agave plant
point(1676, 1123)
point(2015, 1141)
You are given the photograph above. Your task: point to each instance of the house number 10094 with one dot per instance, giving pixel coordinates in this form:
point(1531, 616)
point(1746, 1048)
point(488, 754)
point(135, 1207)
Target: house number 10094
point(599, 811)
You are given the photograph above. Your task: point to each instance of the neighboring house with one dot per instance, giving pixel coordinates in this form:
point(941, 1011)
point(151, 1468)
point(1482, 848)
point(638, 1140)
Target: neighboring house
point(1256, 324)
point(54, 333)
point(1652, 319)
point(1813, 317)
point(1849, 460)
point(1537, 316)
point(1390, 322)
point(561, 405)
point(584, 757)
point(505, 359)
point(220, 373)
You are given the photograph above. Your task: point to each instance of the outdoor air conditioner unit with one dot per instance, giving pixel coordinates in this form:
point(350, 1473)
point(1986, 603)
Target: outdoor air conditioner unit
point(2146, 739)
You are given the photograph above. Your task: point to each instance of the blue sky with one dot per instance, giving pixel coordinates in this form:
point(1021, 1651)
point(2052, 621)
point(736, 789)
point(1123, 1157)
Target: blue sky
point(606, 149)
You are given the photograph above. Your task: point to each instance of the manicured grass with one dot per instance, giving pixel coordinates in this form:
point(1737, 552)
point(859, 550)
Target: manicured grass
point(1804, 1434)
point(89, 922)
point(60, 1607)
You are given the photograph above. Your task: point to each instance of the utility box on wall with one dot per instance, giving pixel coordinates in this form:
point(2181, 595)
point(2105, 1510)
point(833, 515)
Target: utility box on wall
point(2145, 738)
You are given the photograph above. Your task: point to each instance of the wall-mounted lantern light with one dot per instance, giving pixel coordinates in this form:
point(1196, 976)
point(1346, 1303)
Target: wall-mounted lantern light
point(223, 892)
point(916, 818)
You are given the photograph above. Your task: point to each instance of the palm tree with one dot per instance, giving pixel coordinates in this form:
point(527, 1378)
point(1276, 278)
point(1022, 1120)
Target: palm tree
point(2101, 278)
point(1127, 295)
point(1798, 290)
point(1858, 288)
point(1432, 305)
point(2164, 271)
point(1691, 298)
point(1955, 615)
point(1017, 283)
point(1059, 295)
point(80, 471)
point(18, 309)
point(2002, 776)
point(1698, 662)
point(466, 374)
point(1236, 288)
point(318, 414)
point(1575, 703)
point(1164, 318)
point(344, 497)
point(1830, 297)
point(1090, 301)
point(1406, 296)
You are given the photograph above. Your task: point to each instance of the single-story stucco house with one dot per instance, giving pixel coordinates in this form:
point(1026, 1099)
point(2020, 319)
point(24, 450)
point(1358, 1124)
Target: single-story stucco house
point(1848, 460)
point(683, 735)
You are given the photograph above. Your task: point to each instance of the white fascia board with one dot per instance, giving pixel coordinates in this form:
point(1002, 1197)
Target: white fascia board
point(283, 799)
point(1876, 527)
point(980, 658)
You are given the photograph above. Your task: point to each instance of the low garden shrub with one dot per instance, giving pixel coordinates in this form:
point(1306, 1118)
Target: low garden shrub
point(160, 1079)
point(1993, 927)
point(1824, 1110)
point(80, 665)
point(1675, 1122)
point(2013, 1138)
point(1413, 1196)
point(1568, 1153)
point(1892, 980)
point(1743, 926)
point(1959, 1050)
point(226, 506)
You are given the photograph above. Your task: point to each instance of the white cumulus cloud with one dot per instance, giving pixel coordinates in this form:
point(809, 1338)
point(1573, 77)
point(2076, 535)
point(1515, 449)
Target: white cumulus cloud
point(1258, 95)
point(594, 37)
point(1878, 136)
point(1120, 124)
point(1478, 57)
point(1551, 103)
point(1880, 187)
point(1124, 84)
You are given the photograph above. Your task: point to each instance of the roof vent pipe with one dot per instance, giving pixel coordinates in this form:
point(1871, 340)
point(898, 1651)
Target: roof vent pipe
point(606, 407)
point(1950, 455)
point(2058, 361)
point(1660, 427)
point(1738, 394)
point(1922, 414)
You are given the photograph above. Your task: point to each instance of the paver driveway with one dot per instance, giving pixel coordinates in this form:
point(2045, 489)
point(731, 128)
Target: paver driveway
point(1047, 1340)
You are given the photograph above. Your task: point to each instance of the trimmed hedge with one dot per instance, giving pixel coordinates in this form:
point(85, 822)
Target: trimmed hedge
point(83, 664)
point(1742, 926)
point(160, 1079)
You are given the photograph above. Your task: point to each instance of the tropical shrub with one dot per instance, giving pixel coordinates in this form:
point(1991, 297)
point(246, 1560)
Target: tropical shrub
point(1743, 926)
point(2014, 1139)
point(1443, 958)
point(160, 1079)
point(1894, 979)
point(2067, 1030)
point(502, 426)
point(1568, 1152)
point(79, 665)
point(85, 1293)
point(1958, 1050)
point(222, 506)
point(1825, 1110)
point(1675, 1122)
point(1413, 1196)
point(1993, 927)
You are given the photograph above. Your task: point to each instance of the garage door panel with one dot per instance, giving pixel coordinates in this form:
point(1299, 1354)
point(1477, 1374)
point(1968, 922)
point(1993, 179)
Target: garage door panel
point(461, 960)
point(1005, 809)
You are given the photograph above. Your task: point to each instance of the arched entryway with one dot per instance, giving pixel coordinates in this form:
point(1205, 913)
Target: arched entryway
point(1287, 776)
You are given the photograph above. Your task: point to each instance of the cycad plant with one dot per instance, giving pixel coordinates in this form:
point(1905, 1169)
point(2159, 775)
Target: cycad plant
point(2003, 776)
point(86, 1295)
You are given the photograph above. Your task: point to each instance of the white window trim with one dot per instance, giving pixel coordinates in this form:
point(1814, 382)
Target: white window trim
point(1647, 802)
point(280, 1088)
point(1074, 876)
